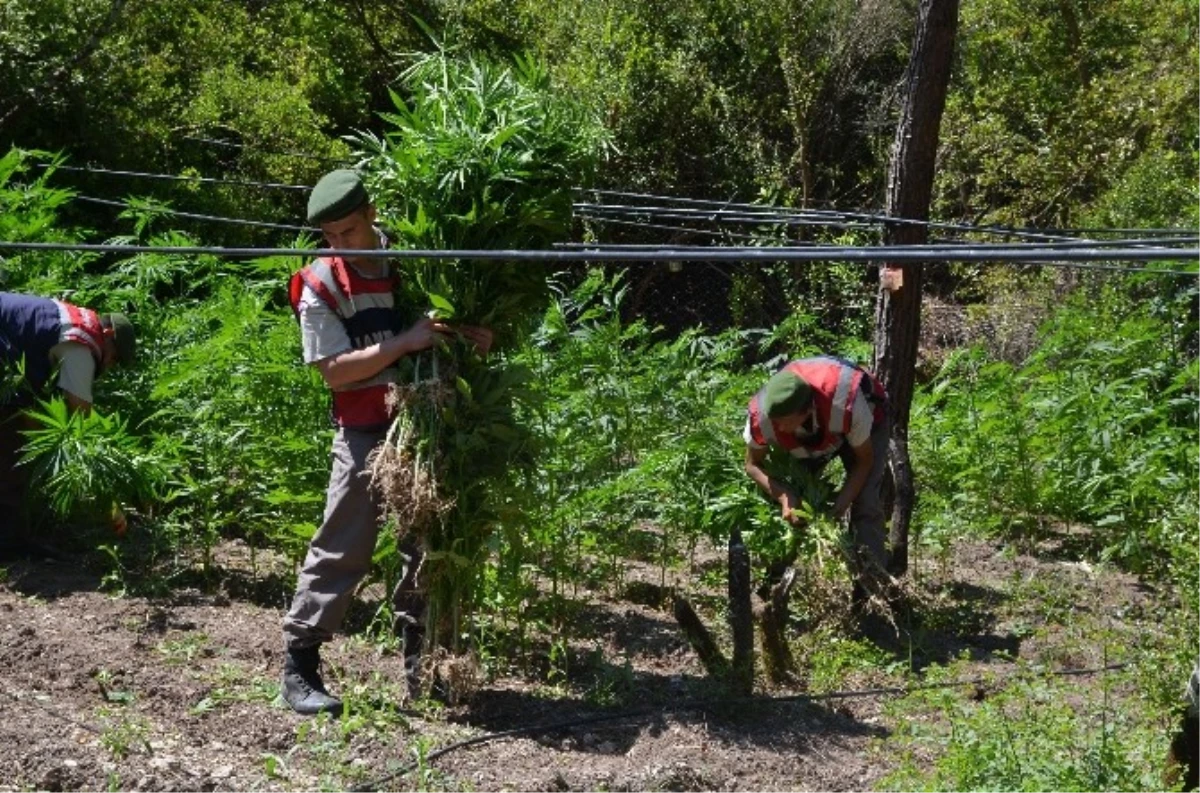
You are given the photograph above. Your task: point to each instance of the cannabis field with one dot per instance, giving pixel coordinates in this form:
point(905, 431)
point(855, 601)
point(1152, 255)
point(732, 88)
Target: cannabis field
point(590, 469)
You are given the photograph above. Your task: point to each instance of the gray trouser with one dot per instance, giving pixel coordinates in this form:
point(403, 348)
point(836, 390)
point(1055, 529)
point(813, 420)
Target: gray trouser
point(866, 513)
point(339, 555)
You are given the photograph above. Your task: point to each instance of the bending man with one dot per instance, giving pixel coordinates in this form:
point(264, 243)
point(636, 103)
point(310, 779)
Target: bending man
point(42, 334)
point(812, 409)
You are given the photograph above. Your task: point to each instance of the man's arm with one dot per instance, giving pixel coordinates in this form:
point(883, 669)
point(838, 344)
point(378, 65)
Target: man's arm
point(76, 374)
point(354, 365)
point(789, 502)
point(481, 338)
point(864, 458)
point(75, 404)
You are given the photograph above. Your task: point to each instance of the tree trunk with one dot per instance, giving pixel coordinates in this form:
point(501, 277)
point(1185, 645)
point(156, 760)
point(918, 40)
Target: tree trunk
point(910, 185)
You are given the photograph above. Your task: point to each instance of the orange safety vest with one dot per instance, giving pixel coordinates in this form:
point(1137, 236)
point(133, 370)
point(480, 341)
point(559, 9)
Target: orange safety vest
point(835, 385)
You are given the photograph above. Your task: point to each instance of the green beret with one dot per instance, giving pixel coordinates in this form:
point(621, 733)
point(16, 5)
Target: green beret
point(123, 336)
point(786, 393)
point(338, 194)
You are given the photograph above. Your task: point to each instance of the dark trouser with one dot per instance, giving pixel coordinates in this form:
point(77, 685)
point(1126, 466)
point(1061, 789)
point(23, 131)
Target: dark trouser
point(339, 555)
point(866, 514)
point(14, 478)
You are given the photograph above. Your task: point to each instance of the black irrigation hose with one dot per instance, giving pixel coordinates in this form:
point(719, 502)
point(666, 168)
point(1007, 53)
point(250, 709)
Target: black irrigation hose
point(1078, 259)
point(991, 228)
point(723, 234)
point(194, 216)
point(177, 178)
point(605, 213)
point(639, 713)
point(878, 215)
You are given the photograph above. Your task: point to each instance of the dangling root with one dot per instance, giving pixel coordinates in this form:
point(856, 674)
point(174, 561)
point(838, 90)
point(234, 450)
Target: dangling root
point(458, 676)
point(886, 595)
point(403, 468)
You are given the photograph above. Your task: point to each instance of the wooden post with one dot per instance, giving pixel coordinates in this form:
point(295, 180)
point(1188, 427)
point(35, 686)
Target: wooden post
point(1183, 755)
point(777, 653)
point(741, 617)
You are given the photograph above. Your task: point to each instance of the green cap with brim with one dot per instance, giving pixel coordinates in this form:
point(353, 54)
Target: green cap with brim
point(336, 195)
point(786, 393)
point(123, 337)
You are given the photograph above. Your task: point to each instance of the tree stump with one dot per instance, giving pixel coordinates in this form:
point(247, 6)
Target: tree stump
point(773, 620)
point(741, 618)
point(701, 640)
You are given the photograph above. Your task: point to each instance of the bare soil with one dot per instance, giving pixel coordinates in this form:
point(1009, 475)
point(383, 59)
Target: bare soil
point(180, 692)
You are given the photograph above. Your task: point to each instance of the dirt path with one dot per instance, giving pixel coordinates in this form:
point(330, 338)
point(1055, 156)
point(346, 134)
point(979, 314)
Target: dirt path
point(180, 693)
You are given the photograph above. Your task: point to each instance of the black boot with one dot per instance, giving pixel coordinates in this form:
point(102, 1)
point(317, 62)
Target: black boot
point(303, 690)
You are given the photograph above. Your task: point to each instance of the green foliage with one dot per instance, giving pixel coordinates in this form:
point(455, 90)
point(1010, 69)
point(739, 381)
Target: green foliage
point(1032, 734)
point(638, 441)
point(1059, 106)
point(85, 465)
point(733, 98)
point(478, 155)
point(1098, 427)
point(29, 212)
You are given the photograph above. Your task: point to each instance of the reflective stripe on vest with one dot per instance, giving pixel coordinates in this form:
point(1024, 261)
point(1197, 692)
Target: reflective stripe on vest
point(366, 307)
point(835, 386)
point(82, 326)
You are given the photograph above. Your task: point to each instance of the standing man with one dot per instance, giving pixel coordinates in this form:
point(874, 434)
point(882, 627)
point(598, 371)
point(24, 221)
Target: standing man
point(352, 332)
point(42, 334)
point(814, 408)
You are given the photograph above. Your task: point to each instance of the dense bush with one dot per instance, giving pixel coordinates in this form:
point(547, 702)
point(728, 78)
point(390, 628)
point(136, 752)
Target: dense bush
point(1096, 429)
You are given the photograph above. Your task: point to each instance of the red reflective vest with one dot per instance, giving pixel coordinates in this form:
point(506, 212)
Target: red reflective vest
point(82, 326)
point(835, 385)
point(367, 309)
point(31, 326)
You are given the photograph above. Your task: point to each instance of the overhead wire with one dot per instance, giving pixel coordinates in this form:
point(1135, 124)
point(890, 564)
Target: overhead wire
point(1088, 258)
point(259, 149)
point(198, 216)
point(1159, 243)
point(880, 217)
point(839, 219)
point(175, 177)
point(725, 234)
point(994, 228)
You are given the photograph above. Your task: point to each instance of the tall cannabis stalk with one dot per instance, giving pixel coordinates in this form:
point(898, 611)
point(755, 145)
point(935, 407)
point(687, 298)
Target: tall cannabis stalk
point(478, 155)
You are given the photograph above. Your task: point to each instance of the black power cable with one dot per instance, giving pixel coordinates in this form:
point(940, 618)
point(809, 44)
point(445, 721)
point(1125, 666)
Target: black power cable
point(195, 216)
point(231, 145)
point(176, 177)
point(1084, 259)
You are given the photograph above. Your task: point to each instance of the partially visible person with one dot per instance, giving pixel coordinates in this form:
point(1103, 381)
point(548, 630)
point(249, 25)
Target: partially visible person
point(1183, 756)
point(42, 334)
point(353, 334)
point(813, 409)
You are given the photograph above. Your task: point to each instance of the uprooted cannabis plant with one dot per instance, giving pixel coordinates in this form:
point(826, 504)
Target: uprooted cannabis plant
point(478, 155)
